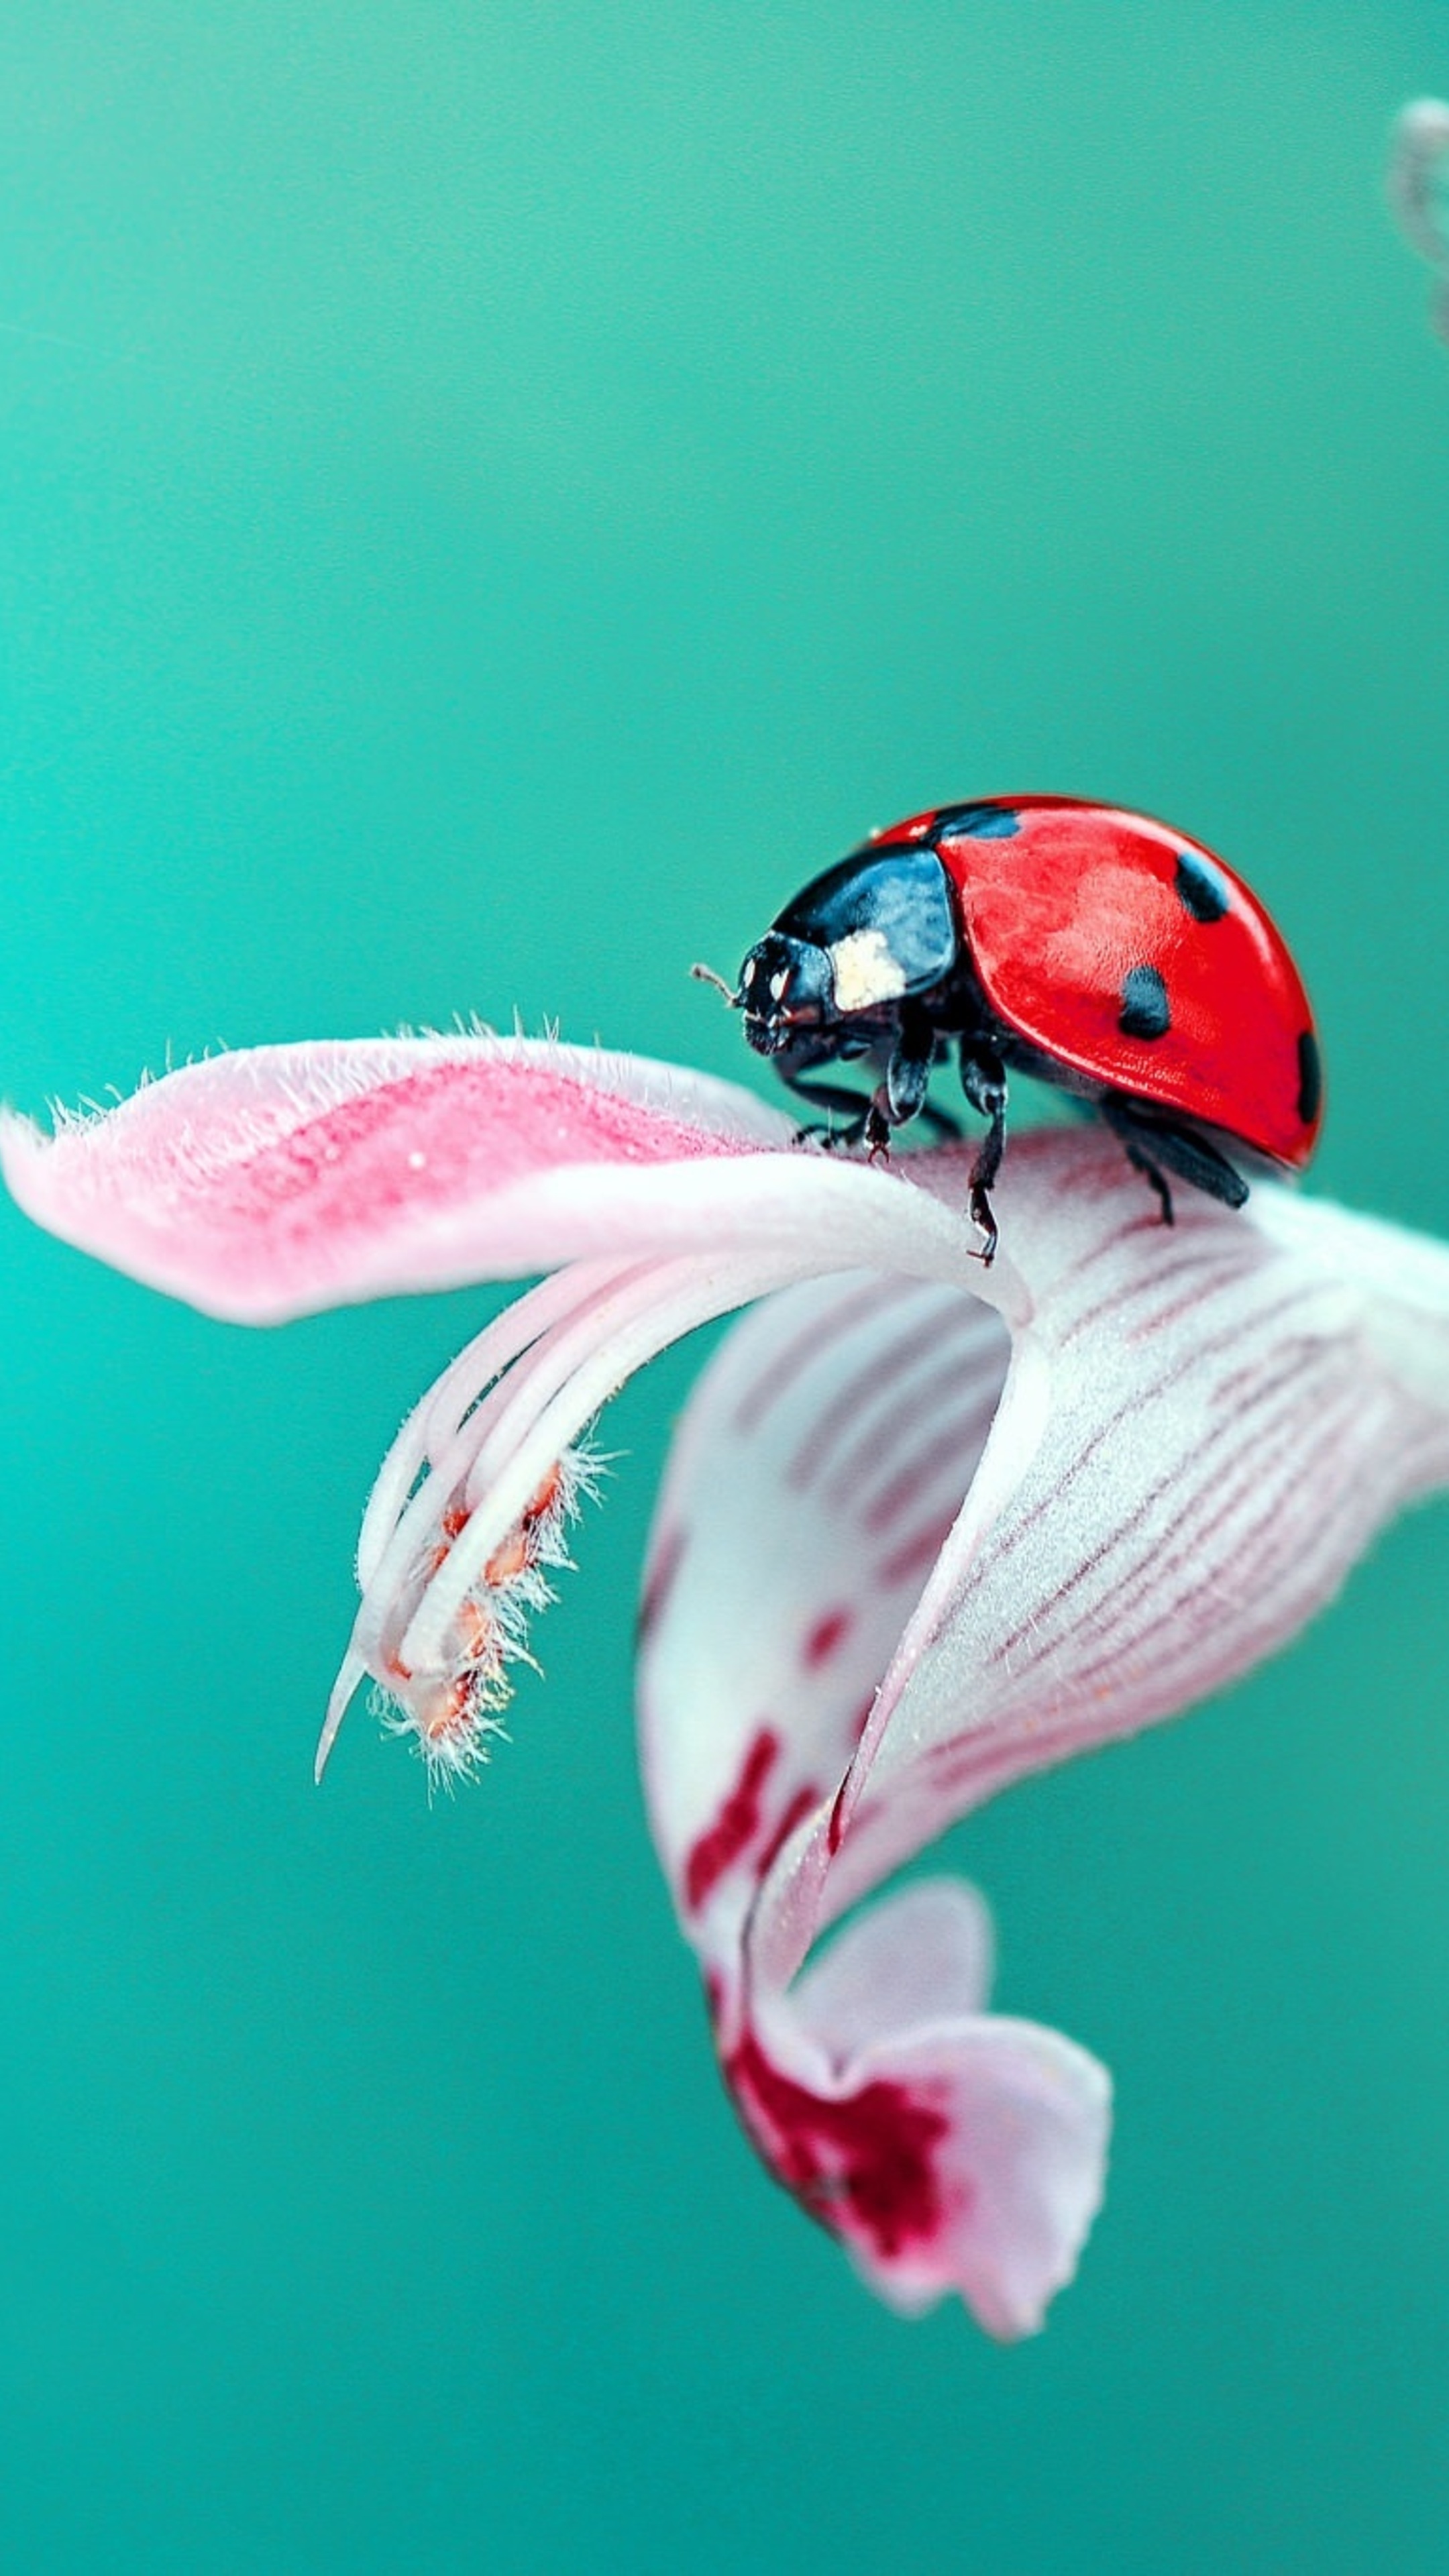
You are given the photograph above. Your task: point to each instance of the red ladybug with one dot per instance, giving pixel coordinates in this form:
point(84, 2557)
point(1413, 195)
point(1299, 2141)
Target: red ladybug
point(1094, 948)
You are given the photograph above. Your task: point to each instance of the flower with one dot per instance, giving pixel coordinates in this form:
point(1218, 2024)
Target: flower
point(1418, 185)
point(927, 1527)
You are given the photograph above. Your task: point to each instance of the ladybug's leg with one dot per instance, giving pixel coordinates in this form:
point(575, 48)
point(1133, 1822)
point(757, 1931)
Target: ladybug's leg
point(836, 1101)
point(899, 1097)
point(833, 1097)
point(1149, 1144)
point(902, 1095)
point(983, 1079)
point(1141, 1161)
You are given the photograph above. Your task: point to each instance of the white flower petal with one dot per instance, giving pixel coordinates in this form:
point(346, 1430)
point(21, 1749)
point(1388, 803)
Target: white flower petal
point(947, 2148)
point(1231, 1412)
point(822, 1460)
point(1198, 1432)
point(906, 1966)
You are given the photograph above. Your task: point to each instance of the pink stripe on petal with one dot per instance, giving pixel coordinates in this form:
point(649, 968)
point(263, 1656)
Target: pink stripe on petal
point(959, 1364)
point(269, 1184)
point(956, 1438)
point(778, 1603)
point(665, 1558)
point(827, 1634)
point(868, 1408)
point(860, 1303)
point(262, 1184)
point(915, 1556)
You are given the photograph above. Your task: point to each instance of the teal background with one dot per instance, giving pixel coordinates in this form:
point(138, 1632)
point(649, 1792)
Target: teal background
point(490, 497)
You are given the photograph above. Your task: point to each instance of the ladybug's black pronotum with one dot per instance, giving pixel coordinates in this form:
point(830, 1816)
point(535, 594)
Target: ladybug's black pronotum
point(1094, 948)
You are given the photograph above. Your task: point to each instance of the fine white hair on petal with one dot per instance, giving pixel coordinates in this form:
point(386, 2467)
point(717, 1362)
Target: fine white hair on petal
point(226, 1106)
point(273, 1184)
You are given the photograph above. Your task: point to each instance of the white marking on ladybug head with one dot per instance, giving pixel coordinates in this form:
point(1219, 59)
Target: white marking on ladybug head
point(747, 972)
point(777, 986)
point(866, 972)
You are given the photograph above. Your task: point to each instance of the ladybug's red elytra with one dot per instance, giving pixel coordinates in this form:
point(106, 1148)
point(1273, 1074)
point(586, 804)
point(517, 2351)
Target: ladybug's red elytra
point(1094, 948)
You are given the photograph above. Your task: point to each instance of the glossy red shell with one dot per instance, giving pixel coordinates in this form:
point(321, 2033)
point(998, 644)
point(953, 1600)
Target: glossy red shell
point(1059, 914)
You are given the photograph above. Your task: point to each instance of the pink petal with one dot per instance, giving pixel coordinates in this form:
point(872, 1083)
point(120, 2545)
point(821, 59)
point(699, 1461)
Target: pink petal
point(1198, 1433)
point(821, 1463)
point(947, 2148)
point(923, 1958)
point(1200, 1436)
point(268, 1184)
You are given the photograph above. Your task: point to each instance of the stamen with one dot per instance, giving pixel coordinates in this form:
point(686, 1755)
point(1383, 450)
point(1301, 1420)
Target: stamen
point(451, 1707)
point(451, 1732)
point(570, 1377)
point(472, 1508)
point(577, 1322)
point(435, 1421)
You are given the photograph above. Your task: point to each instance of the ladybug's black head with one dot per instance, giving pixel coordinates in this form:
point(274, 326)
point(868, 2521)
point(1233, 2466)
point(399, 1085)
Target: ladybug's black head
point(831, 973)
point(786, 985)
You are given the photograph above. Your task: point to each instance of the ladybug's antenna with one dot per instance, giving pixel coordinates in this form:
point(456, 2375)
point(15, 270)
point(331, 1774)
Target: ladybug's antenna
point(707, 975)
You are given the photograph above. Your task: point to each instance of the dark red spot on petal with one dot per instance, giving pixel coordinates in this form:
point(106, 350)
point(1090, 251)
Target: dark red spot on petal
point(736, 1825)
point(863, 2166)
point(825, 1636)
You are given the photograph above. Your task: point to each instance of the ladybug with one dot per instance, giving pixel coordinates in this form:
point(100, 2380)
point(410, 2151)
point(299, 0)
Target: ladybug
point(1094, 948)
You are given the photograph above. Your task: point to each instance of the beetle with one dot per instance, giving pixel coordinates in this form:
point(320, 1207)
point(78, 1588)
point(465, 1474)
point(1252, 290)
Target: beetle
point(1092, 947)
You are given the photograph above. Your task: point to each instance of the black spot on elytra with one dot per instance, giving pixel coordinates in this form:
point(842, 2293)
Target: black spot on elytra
point(1145, 1011)
point(981, 823)
point(1310, 1078)
point(1199, 887)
